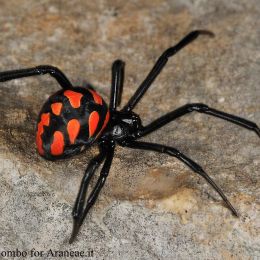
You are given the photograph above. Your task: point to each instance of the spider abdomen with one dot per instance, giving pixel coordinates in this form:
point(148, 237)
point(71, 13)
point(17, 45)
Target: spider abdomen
point(69, 121)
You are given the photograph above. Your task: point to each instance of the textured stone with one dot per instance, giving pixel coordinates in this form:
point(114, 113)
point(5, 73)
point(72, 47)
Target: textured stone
point(152, 207)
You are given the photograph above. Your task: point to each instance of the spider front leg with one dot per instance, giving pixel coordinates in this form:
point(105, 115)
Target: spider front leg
point(159, 65)
point(117, 84)
point(198, 107)
point(79, 212)
point(190, 163)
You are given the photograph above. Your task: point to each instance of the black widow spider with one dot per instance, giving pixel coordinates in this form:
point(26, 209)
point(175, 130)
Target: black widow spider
point(74, 118)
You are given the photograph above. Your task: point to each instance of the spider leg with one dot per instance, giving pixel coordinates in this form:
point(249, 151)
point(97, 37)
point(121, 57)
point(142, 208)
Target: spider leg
point(39, 70)
point(159, 65)
point(190, 163)
point(117, 84)
point(81, 213)
point(92, 167)
point(198, 107)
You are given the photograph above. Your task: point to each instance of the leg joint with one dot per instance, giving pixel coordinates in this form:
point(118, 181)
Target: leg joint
point(199, 107)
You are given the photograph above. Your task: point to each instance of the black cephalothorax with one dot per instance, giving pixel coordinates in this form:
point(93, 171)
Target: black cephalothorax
point(74, 118)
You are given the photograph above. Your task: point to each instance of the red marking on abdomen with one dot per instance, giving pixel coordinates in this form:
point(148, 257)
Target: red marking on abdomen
point(73, 128)
point(56, 108)
point(45, 121)
point(96, 97)
point(93, 122)
point(57, 146)
point(74, 98)
point(105, 122)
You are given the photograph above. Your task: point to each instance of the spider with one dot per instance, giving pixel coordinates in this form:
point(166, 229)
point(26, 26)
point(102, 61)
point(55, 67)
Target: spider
point(75, 118)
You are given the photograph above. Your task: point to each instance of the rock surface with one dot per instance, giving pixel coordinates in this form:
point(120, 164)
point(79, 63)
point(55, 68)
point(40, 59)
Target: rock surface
point(152, 207)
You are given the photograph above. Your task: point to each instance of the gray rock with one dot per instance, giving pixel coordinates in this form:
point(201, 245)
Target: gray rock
point(152, 207)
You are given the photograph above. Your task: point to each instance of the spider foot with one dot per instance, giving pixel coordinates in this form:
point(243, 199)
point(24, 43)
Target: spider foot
point(257, 130)
point(75, 230)
point(234, 211)
point(206, 32)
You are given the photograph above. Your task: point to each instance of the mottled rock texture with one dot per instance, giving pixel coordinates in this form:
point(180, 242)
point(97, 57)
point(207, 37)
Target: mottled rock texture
point(152, 207)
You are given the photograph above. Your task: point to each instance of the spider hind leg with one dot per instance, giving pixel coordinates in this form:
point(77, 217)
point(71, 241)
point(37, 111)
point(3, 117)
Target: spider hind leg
point(81, 208)
point(39, 70)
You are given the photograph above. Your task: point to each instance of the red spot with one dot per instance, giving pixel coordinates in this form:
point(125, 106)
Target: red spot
point(105, 122)
point(57, 145)
point(39, 139)
point(45, 121)
point(56, 108)
point(96, 97)
point(74, 98)
point(93, 122)
point(73, 130)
